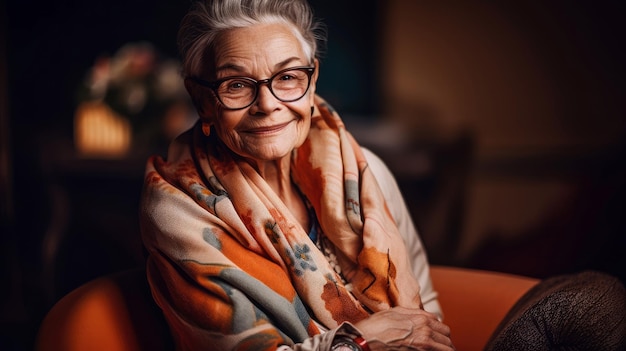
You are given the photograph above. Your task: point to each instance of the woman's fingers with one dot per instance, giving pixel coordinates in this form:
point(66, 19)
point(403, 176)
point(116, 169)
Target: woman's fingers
point(406, 329)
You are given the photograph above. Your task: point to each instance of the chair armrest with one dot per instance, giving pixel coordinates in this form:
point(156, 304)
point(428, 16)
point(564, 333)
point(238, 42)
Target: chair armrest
point(475, 301)
point(114, 312)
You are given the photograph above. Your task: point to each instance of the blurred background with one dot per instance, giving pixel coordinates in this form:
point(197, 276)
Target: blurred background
point(504, 123)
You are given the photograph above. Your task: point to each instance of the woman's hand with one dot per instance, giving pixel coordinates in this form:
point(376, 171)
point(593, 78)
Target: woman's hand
point(402, 328)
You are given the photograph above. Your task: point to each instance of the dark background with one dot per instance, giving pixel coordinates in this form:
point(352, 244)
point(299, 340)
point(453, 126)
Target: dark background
point(90, 206)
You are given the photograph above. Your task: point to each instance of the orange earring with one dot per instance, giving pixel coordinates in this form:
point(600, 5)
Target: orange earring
point(206, 128)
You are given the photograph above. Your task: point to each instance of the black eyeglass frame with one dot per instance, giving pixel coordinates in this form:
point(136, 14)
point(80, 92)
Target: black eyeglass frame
point(214, 85)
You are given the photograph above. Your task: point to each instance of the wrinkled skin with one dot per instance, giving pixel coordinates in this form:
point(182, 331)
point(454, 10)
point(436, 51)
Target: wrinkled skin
point(405, 329)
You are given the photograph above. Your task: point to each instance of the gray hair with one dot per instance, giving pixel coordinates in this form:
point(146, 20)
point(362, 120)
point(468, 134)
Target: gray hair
point(206, 19)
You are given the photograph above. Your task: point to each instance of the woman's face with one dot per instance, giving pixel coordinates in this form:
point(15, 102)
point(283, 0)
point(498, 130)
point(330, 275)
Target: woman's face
point(269, 129)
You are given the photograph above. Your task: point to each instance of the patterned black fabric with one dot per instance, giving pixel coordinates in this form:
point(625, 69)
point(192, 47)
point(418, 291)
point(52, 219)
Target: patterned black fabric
point(584, 311)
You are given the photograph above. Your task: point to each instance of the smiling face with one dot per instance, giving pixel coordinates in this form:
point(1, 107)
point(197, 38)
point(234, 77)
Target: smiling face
point(269, 129)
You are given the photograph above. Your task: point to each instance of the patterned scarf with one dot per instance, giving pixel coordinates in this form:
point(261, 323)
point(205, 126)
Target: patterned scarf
point(229, 264)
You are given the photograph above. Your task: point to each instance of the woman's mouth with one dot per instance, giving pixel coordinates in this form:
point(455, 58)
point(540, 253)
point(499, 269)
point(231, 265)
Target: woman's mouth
point(268, 129)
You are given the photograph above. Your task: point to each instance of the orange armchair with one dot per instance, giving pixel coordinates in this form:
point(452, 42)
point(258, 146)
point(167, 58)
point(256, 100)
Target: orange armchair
point(475, 301)
point(116, 312)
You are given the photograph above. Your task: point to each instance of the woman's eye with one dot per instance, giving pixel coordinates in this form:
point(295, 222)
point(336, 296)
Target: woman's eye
point(236, 86)
point(286, 77)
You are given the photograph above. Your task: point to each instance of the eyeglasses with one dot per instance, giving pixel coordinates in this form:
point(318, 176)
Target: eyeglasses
point(236, 93)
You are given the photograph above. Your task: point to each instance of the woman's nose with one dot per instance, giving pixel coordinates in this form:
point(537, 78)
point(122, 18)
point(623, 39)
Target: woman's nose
point(265, 100)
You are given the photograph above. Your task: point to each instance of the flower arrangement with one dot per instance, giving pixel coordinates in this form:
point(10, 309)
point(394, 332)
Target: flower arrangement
point(135, 91)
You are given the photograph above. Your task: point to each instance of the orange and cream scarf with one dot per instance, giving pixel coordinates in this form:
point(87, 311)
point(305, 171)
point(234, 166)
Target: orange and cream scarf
point(232, 268)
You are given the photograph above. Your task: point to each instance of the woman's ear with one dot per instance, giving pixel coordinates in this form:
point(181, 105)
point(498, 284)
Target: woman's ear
point(192, 89)
point(316, 73)
point(314, 77)
point(199, 98)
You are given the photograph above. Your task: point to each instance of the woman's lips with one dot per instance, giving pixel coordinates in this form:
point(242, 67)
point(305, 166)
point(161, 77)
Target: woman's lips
point(268, 129)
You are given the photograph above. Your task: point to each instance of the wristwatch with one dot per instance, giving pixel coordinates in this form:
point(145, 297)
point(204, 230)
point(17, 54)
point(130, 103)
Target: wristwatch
point(347, 344)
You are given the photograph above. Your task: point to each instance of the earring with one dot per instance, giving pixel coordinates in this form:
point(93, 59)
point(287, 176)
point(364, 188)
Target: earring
point(206, 129)
point(312, 109)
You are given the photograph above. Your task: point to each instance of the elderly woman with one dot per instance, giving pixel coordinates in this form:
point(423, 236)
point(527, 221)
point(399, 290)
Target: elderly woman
point(268, 227)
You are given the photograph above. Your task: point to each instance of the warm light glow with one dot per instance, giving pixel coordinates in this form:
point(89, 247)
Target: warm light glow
point(100, 132)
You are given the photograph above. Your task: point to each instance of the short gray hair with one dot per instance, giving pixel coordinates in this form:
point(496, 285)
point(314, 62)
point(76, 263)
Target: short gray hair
point(207, 18)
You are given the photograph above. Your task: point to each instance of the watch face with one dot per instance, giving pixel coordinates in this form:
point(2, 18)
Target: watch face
point(346, 345)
